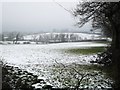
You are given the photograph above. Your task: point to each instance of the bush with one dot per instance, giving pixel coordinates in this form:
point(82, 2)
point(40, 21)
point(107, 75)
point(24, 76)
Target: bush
point(26, 42)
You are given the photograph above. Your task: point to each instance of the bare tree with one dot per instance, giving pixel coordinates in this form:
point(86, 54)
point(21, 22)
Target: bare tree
point(62, 37)
point(104, 15)
point(17, 37)
point(3, 38)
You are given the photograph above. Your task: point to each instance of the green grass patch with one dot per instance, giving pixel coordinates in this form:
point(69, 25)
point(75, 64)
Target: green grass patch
point(104, 42)
point(84, 51)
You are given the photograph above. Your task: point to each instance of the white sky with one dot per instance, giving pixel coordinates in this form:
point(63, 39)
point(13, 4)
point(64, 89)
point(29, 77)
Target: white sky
point(34, 16)
point(0, 17)
point(40, 0)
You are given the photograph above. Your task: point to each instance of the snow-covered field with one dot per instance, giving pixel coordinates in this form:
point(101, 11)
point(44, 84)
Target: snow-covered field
point(38, 59)
point(44, 54)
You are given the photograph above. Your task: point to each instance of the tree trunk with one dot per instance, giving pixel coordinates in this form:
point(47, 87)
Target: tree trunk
point(116, 54)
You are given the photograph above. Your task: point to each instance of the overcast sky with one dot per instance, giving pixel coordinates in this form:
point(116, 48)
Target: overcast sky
point(38, 16)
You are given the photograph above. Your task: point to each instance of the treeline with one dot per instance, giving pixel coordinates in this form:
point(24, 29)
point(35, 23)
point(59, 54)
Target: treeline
point(60, 37)
point(49, 37)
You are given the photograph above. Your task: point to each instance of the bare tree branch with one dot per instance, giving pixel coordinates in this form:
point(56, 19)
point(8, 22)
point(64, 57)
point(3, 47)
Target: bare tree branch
point(63, 7)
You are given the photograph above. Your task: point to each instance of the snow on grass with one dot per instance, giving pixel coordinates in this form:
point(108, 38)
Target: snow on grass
point(39, 59)
point(32, 56)
point(88, 76)
point(43, 54)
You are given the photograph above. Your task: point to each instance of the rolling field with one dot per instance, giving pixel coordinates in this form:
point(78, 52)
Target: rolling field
point(41, 59)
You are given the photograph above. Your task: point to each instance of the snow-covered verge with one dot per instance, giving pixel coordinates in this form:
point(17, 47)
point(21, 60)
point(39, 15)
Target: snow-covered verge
point(39, 59)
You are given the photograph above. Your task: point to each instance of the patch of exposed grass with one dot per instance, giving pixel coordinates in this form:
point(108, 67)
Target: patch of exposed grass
point(104, 42)
point(85, 51)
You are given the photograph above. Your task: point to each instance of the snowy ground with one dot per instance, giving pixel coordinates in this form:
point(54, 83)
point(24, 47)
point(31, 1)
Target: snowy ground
point(44, 54)
point(39, 58)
